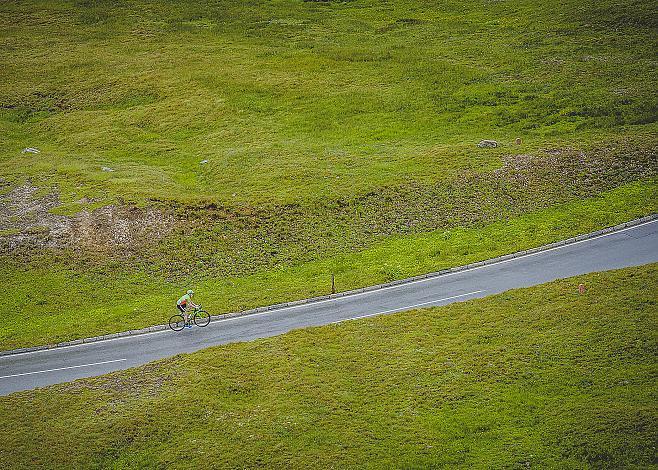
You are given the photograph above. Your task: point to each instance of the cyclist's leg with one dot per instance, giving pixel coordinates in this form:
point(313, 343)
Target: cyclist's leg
point(183, 312)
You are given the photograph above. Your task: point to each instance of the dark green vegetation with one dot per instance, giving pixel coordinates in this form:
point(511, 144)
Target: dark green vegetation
point(339, 136)
point(540, 377)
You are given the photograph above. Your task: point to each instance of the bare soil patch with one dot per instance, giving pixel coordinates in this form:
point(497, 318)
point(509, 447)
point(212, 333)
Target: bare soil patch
point(26, 221)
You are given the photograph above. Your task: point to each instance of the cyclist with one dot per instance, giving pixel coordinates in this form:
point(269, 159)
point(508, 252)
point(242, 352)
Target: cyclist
point(184, 303)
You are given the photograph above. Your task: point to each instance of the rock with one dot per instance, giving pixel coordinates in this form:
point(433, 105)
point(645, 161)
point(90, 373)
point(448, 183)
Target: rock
point(203, 162)
point(31, 150)
point(106, 168)
point(518, 141)
point(488, 144)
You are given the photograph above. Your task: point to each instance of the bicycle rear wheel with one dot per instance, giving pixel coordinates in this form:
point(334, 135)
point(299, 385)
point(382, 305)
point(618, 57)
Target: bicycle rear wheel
point(201, 318)
point(177, 322)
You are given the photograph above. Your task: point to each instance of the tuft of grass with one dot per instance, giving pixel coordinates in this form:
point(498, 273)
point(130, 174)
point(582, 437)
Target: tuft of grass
point(539, 377)
point(8, 232)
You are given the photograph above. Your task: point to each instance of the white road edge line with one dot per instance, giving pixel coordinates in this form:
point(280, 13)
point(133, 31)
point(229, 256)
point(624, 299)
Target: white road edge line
point(350, 296)
point(409, 307)
point(61, 368)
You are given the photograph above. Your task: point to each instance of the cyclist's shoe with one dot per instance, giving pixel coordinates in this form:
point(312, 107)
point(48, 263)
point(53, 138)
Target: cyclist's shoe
point(189, 325)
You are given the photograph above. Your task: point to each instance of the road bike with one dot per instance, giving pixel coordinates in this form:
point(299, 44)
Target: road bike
point(199, 317)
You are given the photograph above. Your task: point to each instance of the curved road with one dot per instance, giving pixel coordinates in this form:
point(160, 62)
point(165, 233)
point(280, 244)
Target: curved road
point(632, 246)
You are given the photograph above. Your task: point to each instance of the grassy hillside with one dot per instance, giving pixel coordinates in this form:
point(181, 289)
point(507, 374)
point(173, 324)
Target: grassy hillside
point(335, 136)
point(540, 377)
point(280, 96)
point(73, 301)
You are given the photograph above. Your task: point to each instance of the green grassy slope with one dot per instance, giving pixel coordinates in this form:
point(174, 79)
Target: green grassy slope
point(63, 303)
point(539, 377)
point(281, 96)
point(340, 137)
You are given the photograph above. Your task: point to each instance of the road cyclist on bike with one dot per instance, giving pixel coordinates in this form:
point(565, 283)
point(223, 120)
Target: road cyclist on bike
point(196, 316)
point(184, 303)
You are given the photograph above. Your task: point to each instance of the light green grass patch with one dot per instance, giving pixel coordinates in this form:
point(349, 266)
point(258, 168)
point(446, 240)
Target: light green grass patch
point(9, 232)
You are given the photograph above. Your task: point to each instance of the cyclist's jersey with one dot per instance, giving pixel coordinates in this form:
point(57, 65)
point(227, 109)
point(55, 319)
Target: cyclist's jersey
point(184, 300)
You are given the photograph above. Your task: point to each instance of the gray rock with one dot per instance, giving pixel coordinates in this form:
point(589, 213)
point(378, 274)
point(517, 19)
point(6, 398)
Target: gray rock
point(203, 162)
point(488, 144)
point(31, 150)
point(106, 168)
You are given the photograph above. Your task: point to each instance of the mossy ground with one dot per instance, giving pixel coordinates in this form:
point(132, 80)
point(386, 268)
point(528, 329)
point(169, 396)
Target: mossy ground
point(540, 377)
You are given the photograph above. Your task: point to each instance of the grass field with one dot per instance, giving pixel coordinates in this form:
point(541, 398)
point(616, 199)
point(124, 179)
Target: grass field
point(281, 96)
point(339, 137)
point(540, 377)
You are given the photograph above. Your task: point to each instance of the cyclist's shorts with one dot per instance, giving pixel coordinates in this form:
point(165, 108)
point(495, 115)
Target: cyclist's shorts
point(181, 308)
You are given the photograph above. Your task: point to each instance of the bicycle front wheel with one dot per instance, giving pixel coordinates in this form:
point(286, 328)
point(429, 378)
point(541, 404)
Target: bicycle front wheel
point(201, 318)
point(177, 322)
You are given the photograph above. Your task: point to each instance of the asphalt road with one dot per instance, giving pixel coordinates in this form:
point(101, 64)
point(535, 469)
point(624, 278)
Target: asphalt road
point(633, 246)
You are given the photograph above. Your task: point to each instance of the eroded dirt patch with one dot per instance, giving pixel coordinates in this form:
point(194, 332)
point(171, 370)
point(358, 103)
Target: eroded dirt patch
point(26, 221)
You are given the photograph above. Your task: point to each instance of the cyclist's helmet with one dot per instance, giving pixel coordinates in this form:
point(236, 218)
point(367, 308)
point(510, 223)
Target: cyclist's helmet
point(190, 292)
